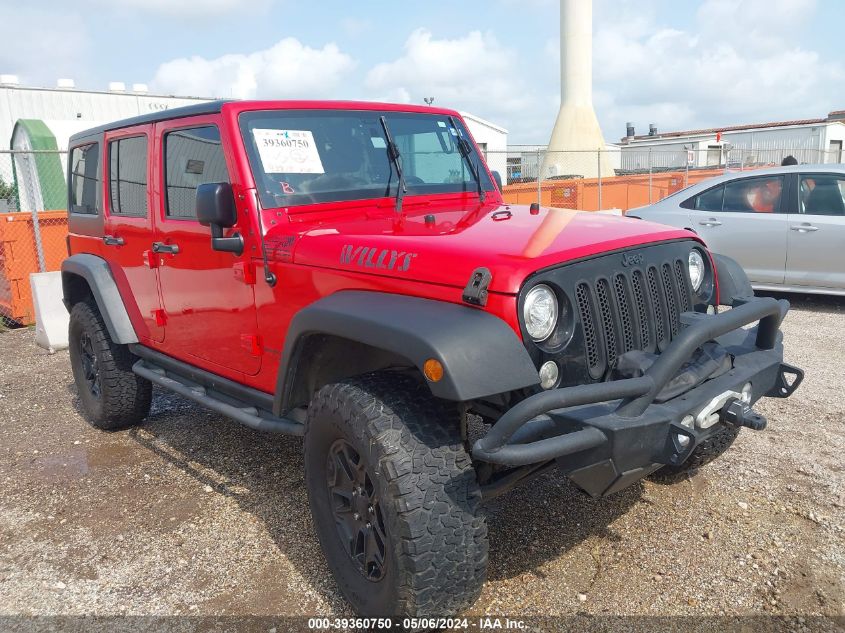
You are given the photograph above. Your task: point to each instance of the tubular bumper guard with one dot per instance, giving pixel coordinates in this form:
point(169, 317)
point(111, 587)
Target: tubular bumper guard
point(608, 435)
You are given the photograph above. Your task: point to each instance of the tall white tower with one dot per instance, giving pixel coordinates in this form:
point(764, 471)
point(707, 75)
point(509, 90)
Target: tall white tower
point(577, 127)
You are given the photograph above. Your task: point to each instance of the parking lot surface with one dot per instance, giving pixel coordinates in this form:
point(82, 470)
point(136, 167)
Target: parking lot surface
point(191, 514)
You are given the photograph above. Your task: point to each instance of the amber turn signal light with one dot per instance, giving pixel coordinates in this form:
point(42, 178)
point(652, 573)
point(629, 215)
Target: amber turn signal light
point(433, 370)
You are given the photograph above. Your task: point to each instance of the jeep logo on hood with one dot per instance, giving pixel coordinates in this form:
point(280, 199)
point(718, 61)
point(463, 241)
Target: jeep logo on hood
point(374, 257)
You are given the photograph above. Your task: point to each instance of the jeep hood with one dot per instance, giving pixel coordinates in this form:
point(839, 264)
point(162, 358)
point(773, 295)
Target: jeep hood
point(444, 246)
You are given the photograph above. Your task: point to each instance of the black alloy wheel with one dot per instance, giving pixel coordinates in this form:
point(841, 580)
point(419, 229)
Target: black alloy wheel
point(90, 365)
point(356, 509)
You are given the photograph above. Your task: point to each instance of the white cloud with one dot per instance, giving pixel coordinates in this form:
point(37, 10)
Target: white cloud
point(738, 63)
point(474, 72)
point(285, 70)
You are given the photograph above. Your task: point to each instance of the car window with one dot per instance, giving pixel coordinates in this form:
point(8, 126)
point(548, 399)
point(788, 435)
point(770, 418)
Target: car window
point(822, 194)
point(710, 200)
point(308, 157)
point(753, 195)
point(192, 156)
point(85, 179)
point(128, 176)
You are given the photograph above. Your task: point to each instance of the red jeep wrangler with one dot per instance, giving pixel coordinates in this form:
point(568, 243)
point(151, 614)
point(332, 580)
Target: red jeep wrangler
point(349, 272)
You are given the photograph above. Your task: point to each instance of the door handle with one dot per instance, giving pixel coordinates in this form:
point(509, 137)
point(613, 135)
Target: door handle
point(710, 222)
point(805, 228)
point(111, 240)
point(161, 247)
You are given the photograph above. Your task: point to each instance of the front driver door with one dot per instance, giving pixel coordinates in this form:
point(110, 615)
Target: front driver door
point(745, 220)
point(817, 233)
point(208, 301)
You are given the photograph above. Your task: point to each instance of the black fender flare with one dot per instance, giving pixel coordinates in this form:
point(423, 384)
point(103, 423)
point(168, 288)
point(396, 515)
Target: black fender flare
point(732, 279)
point(481, 355)
point(96, 272)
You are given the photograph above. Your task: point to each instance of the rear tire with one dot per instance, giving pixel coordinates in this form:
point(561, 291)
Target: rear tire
point(111, 395)
point(711, 448)
point(404, 450)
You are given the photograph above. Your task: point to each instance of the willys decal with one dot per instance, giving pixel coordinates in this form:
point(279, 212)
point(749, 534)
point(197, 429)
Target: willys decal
point(374, 257)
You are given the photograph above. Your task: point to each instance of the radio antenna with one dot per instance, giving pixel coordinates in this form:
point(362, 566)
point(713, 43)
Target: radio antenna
point(269, 275)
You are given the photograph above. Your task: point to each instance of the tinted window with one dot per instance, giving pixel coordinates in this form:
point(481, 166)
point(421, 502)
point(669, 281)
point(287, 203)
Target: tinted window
point(710, 200)
point(128, 176)
point(193, 156)
point(822, 195)
point(85, 179)
point(756, 195)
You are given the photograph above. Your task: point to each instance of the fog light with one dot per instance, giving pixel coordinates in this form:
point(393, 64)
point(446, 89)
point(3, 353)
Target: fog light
point(548, 374)
point(711, 309)
point(683, 440)
point(746, 393)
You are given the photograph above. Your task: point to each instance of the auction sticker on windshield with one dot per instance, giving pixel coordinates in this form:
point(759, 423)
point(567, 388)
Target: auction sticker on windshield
point(288, 151)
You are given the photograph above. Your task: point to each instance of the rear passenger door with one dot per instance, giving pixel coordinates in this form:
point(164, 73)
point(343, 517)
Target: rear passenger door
point(128, 227)
point(745, 219)
point(816, 251)
point(207, 295)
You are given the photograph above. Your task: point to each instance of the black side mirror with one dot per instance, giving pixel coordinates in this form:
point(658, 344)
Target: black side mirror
point(216, 208)
point(498, 178)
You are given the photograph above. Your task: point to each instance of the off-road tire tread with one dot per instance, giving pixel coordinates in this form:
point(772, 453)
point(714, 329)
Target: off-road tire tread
point(443, 543)
point(704, 453)
point(125, 397)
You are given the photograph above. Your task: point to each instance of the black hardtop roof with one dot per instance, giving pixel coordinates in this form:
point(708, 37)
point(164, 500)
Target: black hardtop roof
point(208, 107)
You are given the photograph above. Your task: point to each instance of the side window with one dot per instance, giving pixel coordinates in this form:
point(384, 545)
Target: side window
point(822, 194)
point(128, 176)
point(710, 200)
point(755, 195)
point(85, 179)
point(192, 156)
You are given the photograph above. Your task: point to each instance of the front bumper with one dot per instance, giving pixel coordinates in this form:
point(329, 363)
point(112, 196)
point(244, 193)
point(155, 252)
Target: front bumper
point(606, 436)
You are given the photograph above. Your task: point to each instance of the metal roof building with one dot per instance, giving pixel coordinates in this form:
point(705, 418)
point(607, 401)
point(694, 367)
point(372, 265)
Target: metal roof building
point(818, 140)
point(66, 103)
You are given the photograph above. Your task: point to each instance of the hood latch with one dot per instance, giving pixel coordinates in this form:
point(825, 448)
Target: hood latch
point(475, 292)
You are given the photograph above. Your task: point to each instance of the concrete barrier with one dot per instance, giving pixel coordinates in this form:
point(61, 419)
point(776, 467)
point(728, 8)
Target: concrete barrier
point(51, 317)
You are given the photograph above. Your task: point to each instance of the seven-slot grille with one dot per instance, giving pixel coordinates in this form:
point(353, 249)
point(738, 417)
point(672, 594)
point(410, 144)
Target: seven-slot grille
point(635, 308)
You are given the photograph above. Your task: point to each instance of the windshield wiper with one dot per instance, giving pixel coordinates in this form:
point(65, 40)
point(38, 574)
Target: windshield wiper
point(394, 155)
point(466, 151)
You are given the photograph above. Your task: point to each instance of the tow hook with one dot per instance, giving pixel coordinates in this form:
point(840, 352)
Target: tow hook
point(739, 413)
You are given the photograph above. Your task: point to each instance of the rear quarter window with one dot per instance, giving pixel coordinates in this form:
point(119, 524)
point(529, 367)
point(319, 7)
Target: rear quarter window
point(84, 180)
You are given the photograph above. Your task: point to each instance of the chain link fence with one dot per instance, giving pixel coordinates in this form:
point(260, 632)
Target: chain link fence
point(33, 195)
point(625, 178)
point(33, 226)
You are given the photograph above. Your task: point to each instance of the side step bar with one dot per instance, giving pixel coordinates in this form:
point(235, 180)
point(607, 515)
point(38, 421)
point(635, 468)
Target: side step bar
point(241, 412)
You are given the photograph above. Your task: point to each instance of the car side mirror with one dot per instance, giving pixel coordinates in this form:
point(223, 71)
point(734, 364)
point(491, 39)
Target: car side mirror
point(216, 208)
point(498, 178)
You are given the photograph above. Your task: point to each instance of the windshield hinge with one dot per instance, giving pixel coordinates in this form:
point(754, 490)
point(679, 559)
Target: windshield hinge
point(475, 292)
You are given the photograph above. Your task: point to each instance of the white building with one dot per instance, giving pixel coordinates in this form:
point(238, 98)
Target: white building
point(808, 140)
point(67, 103)
point(492, 140)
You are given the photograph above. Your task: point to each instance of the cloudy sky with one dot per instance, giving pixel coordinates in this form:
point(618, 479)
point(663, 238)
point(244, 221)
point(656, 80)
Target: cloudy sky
point(679, 64)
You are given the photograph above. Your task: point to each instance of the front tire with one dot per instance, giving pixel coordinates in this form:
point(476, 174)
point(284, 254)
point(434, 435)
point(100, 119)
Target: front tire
point(111, 395)
point(412, 541)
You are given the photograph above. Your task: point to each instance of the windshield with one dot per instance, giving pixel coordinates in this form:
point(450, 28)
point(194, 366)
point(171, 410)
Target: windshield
point(307, 157)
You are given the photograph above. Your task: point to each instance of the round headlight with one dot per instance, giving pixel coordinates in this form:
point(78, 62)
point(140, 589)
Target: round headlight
point(697, 269)
point(540, 312)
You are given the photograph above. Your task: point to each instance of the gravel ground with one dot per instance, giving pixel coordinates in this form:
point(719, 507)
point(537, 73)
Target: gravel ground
point(190, 514)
